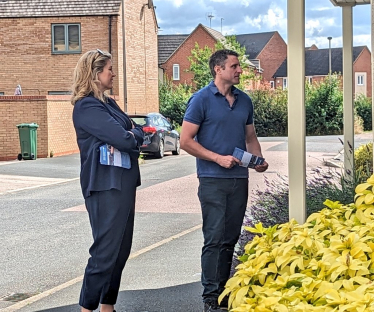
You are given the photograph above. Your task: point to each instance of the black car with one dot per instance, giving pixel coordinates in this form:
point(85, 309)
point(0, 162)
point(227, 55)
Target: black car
point(159, 134)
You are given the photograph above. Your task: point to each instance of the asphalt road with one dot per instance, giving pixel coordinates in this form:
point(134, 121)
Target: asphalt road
point(45, 232)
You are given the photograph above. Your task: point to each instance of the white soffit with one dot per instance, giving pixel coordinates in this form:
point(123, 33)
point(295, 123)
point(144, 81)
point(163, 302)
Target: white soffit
point(349, 2)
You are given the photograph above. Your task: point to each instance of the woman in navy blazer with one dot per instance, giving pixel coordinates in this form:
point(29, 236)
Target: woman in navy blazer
point(109, 191)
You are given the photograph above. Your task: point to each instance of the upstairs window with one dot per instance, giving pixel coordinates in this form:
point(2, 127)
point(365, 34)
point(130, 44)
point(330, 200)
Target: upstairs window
point(360, 80)
point(66, 38)
point(176, 72)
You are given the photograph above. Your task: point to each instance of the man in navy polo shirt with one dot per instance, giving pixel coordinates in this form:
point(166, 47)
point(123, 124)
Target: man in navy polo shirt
point(219, 118)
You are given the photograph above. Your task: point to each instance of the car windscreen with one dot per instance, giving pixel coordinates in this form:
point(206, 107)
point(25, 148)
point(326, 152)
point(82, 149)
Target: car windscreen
point(141, 121)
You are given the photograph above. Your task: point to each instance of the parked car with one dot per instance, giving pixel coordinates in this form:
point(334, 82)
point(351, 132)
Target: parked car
point(159, 134)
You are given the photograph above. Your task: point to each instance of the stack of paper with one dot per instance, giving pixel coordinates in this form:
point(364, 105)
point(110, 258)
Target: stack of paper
point(248, 160)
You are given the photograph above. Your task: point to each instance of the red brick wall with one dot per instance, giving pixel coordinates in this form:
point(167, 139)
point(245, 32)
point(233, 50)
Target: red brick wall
point(22, 109)
point(61, 133)
point(272, 56)
point(363, 64)
point(141, 58)
point(30, 63)
point(203, 38)
point(120, 76)
point(55, 134)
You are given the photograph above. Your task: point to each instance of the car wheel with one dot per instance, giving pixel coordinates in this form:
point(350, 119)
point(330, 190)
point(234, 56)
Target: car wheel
point(178, 149)
point(160, 152)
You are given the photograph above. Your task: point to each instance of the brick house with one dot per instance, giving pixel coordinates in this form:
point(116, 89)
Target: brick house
point(266, 50)
point(174, 51)
point(167, 44)
point(42, 40)
point(317, 67)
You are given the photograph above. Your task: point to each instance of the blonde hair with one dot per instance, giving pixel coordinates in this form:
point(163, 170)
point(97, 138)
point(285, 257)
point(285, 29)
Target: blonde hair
point(85, 80)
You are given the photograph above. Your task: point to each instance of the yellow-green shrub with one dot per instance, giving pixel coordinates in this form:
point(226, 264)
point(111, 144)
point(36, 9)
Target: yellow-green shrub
point(364, 161)
point(325, 264)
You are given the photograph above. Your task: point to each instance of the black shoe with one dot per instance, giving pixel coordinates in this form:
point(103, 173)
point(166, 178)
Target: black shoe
point(224, 305)
point(211, 307)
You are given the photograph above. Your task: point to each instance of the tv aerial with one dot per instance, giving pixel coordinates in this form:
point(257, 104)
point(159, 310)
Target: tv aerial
point(210, 16)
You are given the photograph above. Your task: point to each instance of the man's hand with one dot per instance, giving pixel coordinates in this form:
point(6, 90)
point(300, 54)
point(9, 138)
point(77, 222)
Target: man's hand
point(227, 161)
point(262, 168)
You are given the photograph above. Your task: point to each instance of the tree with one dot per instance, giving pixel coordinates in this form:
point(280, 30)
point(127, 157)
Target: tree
point(199, 60)
point(173, 100)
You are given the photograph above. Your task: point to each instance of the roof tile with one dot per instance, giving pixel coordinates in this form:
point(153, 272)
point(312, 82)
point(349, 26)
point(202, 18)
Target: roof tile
point(43, 8)
point(254, 43)
point(167, 44)
point(317, 62)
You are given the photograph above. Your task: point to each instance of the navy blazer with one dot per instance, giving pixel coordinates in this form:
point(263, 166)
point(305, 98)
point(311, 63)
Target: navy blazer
point(97, 123)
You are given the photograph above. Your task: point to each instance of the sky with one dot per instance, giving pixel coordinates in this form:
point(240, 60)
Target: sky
point(233, 17)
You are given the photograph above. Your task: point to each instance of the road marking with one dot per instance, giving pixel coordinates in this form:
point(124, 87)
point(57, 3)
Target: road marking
point(147, 198)
point(2, 163)
point(39, 185)
point(31, 300)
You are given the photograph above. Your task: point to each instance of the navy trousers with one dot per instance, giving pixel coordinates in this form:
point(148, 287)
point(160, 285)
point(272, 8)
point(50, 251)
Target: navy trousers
point(223, 204)
point(111, 216)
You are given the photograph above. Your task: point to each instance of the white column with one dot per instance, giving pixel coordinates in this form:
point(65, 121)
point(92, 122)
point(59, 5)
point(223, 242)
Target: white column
point(348, 89)
point(296, 108)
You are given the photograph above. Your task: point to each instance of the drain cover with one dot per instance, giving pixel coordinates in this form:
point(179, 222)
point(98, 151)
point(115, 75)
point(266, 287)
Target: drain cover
point(17, 297)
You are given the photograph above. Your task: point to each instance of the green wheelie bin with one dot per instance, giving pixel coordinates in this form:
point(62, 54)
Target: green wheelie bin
point(28, 140)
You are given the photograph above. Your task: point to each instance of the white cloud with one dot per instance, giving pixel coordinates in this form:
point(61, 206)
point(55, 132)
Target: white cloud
point(245, 2)
point(337, 42)
point(322, 42)
point(274, 19)
point(176, 3)
point(322, 9)
point(254, 22)
point(362, 40)
point(313, 28)
point(250, 16)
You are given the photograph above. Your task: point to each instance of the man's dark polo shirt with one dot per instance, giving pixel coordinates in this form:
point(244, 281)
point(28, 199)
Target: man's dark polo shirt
point(222, 128)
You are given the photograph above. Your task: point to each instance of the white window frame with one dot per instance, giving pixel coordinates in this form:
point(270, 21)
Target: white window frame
point(360, 80)
point(310, 80)
point(285, 83)
point(272, 84)
point(66, 39)
point(176, 72)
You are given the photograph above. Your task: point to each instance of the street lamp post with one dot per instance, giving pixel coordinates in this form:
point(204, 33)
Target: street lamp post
point(221, 24)
point(329, 38)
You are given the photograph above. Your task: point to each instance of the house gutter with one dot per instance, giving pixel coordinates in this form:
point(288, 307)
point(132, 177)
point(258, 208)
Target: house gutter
point(110, 34)
point(124, 57)
point(110, 40)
